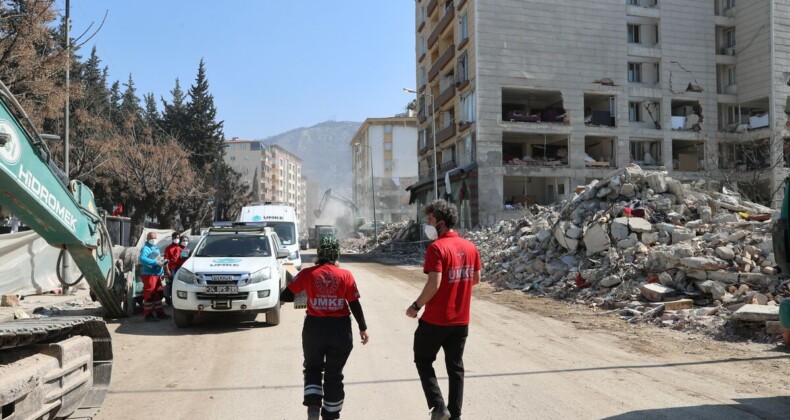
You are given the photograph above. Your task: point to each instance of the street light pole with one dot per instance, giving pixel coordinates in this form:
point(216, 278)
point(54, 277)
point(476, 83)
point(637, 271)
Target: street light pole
point(433, 135)
point(373, 192)
point(218, 165)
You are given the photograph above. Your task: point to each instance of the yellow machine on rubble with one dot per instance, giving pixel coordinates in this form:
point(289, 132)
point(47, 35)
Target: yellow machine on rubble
point(56, 367)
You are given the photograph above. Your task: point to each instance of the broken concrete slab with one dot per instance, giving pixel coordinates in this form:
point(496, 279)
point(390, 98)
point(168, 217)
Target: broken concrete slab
point(639, 225)
point(619, 228)
point(655, 292)
point(596, 240)
point(703, 263)
point(725, 253)
point(681, 234)
point(674, 305)
point(758, 313)
point(9, 301)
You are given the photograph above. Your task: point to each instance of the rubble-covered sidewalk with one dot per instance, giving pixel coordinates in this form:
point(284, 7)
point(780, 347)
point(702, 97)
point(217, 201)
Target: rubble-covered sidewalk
point(643, 245)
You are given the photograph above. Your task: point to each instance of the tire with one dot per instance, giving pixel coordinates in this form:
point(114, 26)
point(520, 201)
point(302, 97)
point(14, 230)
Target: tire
point(128, 302)
point(273, 316)
point(183, 319)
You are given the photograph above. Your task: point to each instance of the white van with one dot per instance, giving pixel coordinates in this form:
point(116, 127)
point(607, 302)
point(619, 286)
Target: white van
point(234, 269)
point(282, 218)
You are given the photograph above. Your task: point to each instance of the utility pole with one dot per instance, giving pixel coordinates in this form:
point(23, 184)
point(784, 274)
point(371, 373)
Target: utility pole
point(66, 146)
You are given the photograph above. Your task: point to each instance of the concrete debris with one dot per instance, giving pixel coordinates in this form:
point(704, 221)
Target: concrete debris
point(9, 301)
point(752, 312)
point(639, 236)
point(396, 241)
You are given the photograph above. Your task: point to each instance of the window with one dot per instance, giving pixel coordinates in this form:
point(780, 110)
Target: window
point(634, 111)
point(422, 14)
point(388, 129)
point(632, 2)
point(729, 4)
point(422, 45)
point(468, 107)
point(635, 72)
point(423, 76)
point(732, 77)
point(388, 146)
point(633, 34)
point(463, 67)
point(729, 38)
point(388, 165)
point(561, 188)
point(463, 28)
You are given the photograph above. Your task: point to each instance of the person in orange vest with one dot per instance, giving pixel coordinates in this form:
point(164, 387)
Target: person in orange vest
point(332, 296)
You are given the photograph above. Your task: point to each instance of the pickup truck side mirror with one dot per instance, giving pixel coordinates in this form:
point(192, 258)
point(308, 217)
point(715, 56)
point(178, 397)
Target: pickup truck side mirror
point(282, 253)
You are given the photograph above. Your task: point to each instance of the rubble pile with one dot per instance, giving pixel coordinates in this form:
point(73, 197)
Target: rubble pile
point(646, 246)
point(395, 241)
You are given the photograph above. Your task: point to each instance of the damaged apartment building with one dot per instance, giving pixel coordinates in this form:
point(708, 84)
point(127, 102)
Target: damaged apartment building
point(527, 100)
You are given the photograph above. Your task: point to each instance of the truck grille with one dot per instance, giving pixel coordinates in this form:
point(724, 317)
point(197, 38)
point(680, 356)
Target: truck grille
point(219, 282)
point(212, 296)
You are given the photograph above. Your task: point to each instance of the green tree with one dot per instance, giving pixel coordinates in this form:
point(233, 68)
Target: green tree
point(203, 135)
point(174, 114)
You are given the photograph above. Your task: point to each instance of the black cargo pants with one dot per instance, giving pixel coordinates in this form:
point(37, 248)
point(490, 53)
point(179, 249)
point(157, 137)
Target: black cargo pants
point(428, 339)
point(326, 343)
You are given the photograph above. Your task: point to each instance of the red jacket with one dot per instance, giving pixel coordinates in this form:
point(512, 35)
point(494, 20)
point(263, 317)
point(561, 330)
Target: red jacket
point(173, 257)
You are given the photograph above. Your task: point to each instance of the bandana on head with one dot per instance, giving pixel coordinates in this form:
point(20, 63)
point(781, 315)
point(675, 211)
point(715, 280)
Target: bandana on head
point(329, 249)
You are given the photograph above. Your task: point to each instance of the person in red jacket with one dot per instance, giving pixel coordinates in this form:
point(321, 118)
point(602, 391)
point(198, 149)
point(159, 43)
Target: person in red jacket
point(453, 267)
point(175, 254)
point(332, 296)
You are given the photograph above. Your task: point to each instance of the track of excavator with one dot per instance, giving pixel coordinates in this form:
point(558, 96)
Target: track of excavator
point(57, 367)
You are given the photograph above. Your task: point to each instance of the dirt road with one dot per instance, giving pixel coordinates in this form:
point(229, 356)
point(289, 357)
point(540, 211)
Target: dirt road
point(524, 359)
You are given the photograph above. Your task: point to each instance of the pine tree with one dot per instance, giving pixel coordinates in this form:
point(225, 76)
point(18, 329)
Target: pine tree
point(174, 114)
point(203, 134)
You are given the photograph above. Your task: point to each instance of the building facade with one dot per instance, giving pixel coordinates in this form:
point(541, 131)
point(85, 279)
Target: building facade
point(273, 173)
point(544, 96)
point(389, 145)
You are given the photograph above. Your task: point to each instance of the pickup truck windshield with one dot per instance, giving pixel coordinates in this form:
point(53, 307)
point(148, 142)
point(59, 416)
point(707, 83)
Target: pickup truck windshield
point(234, 246)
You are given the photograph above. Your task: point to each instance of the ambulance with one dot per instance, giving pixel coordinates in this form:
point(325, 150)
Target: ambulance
point(282, 218)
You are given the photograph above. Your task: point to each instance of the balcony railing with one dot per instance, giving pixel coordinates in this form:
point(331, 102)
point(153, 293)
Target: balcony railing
point(446, 95)
point(445, 58)
point(445, 133)
point(446, 166)
point(431, 7)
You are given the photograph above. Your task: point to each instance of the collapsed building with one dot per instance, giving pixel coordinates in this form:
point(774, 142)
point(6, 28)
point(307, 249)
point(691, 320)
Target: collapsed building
point(647, 246)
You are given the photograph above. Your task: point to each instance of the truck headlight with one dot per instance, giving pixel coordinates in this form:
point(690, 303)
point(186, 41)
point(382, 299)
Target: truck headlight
point(186, 276)
point(294, 255)
point(260, 275)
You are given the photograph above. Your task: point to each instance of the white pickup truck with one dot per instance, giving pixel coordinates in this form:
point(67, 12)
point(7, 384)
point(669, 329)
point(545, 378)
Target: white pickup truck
point(232, 269)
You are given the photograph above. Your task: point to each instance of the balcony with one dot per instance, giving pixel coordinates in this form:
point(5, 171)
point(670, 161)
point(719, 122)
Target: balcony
point(444, 22)
point(646, 153)
point(688, 155)
point(443, 60)
point(445, 133)
point(448, 165)
point(446, 95)
point(431, 7)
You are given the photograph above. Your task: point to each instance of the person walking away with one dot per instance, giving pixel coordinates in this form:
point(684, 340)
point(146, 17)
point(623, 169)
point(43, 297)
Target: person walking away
point(453, 267)
point(175, 254)
point(152, 263)
point(326, 335)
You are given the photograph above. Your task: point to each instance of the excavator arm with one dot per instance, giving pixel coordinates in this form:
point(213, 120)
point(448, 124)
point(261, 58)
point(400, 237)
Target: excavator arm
point(65, 216)
point(357, 220)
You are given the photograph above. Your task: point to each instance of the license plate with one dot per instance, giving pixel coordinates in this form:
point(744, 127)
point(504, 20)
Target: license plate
point(222, 289)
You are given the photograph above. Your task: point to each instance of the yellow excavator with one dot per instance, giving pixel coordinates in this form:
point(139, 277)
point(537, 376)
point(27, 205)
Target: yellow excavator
point(56, 367)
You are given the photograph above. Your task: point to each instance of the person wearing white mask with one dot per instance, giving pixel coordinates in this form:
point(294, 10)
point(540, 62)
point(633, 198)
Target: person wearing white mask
point(151, 273)
point(453, 267)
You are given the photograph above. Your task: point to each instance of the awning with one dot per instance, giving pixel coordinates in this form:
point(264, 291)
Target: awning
point(452, 174)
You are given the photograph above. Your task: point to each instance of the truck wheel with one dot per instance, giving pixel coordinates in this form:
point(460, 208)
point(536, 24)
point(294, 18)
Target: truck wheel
point(128, 302)
point(183, 319)
point(273, 315)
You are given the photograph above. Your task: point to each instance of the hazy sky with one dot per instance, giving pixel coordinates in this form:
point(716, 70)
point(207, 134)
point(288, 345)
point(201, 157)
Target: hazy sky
point(272, 65)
